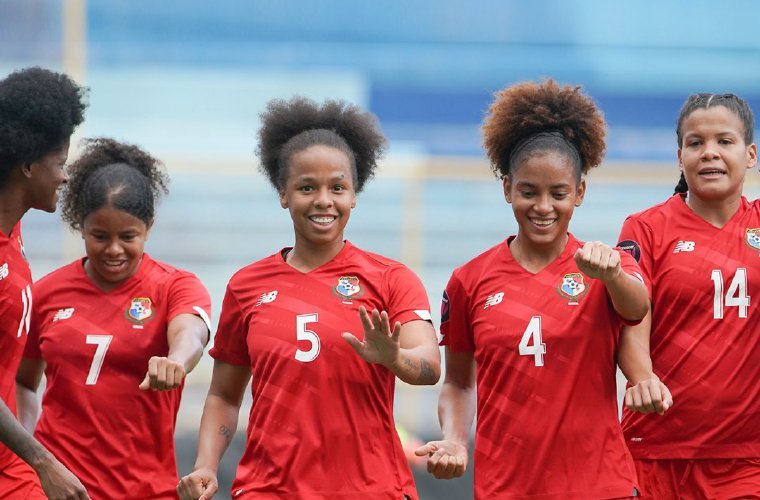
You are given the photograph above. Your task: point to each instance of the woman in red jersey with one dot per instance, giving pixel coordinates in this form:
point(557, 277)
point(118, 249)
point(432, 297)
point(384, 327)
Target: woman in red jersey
point(115, 333)
point(701, 251)
point(321, 425)
point(39, 110)
point(531, 325)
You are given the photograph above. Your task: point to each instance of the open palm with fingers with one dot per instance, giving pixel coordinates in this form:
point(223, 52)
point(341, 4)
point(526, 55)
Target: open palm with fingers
point(381, 344)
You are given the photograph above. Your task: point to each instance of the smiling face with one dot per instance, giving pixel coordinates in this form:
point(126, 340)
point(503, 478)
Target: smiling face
point(46, 176)
point(319, 192)
point(713, 156)
point(114, 241)
point(544, 192)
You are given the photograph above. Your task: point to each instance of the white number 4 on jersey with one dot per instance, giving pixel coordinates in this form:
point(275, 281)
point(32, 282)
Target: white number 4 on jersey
point(533, 333)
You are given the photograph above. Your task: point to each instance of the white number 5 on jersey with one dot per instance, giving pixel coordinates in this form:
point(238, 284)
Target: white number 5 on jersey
point(538, 349)
point(302, 333)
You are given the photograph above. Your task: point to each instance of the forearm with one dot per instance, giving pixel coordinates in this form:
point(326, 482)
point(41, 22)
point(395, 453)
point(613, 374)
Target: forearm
point(186, 348)
point(633, 353)
point(456, 412)
point(218, 425)
point(19, 441)
point(27, 407)
point(418, 366)
point(629, 296)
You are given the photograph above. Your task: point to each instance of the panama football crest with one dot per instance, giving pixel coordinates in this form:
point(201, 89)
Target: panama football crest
point(348, 288)
point(139, 310)
point(753, 238)
point(573, 288)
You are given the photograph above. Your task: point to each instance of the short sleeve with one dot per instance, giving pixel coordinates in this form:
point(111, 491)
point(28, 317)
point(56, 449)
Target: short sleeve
point(456, 327)
point(187, 295)
point(32, 347)
point(406, 296)
point(636, 239)
point(230, 345)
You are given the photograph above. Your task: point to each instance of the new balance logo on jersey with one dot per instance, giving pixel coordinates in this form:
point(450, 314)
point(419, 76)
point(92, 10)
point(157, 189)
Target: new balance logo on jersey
point(267, 297)
point(63, 314)
point(494, 299)
point(4, 271)
point(684, 246)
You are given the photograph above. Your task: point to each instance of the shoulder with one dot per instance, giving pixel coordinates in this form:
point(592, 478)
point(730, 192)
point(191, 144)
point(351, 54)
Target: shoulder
point(374, 261)
point(657, 213)
point(58, 277)
point(481, 263)
point(161, 272)
point(255, 270)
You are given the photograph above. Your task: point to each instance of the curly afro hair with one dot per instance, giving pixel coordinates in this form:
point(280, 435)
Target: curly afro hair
point(39, 110)
point(290, 126)
point(562, 118)
point(113, 174)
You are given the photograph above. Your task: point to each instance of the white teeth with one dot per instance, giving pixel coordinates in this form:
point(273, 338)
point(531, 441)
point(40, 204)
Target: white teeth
point(322, 220)
point(543, 222)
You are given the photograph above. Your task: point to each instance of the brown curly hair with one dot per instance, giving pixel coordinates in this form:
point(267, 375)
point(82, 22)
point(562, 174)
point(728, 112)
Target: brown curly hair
point(525, 110)
point(114, 174)
point(290, 126)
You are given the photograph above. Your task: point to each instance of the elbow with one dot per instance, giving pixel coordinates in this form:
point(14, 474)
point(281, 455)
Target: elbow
point(637, 311)
point(435, 373)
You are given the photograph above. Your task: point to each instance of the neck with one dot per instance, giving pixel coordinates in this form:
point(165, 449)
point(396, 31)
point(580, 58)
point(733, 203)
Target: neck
point(11, 209)
point(307, 256)
point(717, 213)
point(535, 258)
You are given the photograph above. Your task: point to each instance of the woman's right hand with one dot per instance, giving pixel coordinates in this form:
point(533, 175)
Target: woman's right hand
point(648, 396)
point(446, 459)
point(58, 482)
point(198, 485)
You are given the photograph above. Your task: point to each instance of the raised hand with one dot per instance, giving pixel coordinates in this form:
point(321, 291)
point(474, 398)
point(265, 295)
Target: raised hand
point(380, 344)
point(163, 374)
point(598, 260)
point(446, 459)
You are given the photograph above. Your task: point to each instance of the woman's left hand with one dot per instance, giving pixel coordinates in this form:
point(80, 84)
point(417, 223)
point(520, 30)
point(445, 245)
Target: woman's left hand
point(163, 374)
point(380, 345)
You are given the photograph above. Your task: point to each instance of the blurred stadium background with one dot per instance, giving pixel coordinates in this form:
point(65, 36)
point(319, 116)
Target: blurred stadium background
point(187, 79)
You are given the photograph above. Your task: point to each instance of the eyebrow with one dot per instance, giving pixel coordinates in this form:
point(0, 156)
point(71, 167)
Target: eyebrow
point(553, 186)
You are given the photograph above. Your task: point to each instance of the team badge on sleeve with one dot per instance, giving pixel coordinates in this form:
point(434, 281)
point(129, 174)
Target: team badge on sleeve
point(139, 310)
point(631, 247)
point(348, 288)
point(753, 238)
point(445, 307)
point(573, 288)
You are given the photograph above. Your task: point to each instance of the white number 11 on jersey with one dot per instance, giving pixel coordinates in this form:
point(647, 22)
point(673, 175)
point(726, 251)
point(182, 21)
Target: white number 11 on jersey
point(538, 349)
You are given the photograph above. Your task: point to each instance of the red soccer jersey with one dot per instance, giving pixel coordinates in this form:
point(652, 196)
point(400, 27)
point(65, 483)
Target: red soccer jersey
point(545, 347)
point(15, 311)
point(117, 439)
point(705, 342)
point(321, 424)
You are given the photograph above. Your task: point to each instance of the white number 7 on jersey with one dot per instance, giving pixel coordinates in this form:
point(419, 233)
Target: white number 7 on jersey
point(538, 349)
point(102, 341)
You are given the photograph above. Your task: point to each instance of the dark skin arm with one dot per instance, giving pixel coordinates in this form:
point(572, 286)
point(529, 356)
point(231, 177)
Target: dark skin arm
point(447, 458)
point(218, 424)
point(410, 350)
